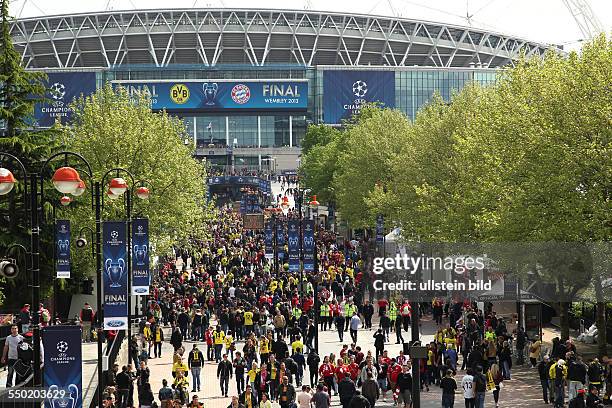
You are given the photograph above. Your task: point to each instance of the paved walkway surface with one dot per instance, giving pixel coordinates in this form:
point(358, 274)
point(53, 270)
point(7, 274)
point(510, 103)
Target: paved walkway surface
point(522, 391)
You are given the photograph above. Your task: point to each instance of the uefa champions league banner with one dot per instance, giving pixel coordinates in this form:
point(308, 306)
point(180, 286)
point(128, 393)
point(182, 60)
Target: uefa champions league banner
point(140, 256)
point(346, 91)
point(115, 276)
point(280, 239)
point(62, 88)
point(293, 234)
point(309, 245)
point(62, 249)
point(269, 239)
point(63, 361)
point(219, 95)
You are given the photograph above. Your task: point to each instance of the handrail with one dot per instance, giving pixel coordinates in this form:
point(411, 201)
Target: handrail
point(112, 351)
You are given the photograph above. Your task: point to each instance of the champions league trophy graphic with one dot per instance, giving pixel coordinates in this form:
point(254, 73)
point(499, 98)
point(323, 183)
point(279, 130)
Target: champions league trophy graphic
point(115, 271)
point(62, 246)
point(69, 400)
point(210, 93)
point(293, 242)
point(140, 252)
point(308, 242)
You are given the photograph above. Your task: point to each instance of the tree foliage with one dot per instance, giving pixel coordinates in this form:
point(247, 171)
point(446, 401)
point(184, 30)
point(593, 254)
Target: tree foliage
point(113, 129)
point(527, 159)
point(20, 91)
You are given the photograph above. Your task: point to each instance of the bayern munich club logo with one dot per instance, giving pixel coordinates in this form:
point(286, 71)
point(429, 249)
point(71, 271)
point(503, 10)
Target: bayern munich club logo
point(241, 94)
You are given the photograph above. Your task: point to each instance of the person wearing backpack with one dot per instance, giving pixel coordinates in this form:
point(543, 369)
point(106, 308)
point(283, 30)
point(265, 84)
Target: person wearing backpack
point(480, 388)
point(558, 375)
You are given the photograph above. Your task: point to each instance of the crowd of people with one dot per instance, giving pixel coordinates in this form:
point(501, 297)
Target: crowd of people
point(258, 325)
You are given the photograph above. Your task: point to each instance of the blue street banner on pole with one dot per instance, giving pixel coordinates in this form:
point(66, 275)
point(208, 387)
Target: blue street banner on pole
point(280, 239)
point(221, 95)
point(309, 245)
point(62, 249)
point(380, 229)
point(63, 362)
point(140, 256)
point(115, 277)
point(293, 241)
point(62, 88)
point(269, 239)
point(345, 92)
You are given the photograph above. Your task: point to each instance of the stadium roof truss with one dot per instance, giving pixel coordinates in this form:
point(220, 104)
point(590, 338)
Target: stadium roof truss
point(212, 37)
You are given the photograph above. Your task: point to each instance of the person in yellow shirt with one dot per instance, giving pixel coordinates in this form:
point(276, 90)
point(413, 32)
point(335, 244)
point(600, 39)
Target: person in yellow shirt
point(264, 349)
point(297, 346)
point(251, 375)
point(248, 322)
point(179, 366)
point(218, 340)
point(230, 346)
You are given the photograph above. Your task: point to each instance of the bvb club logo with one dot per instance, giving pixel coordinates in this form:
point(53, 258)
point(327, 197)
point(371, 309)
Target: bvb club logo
point(179, 94)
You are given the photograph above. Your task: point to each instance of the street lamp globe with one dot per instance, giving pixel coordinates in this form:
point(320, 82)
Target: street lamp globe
point(7, 181)
point(79, 190)
point(314, 204)
point(142, 192)
point(65, 200)
point(118, 186)
point(66, 180)
point(112, 195)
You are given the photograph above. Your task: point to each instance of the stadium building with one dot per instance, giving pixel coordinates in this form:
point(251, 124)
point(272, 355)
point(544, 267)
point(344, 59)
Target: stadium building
point(248, 82)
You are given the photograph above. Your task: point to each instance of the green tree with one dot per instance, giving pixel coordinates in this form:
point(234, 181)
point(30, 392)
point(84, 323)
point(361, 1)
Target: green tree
point(20, 91)
point(318, 135)
point(114, 129)
point(371, 144)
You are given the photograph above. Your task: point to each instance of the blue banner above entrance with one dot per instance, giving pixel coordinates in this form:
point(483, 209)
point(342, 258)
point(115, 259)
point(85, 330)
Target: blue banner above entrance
point(219, 95)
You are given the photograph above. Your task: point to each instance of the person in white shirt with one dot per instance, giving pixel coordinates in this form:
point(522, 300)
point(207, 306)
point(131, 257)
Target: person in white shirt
point(467, 383)
point(304, 397)
point(9, 353)
point(355, 323)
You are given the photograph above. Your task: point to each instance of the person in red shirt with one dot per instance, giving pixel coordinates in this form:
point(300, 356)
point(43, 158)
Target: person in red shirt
point(353, 369)
point(382, 306)
point(341, 370)
point(385, 358)
point(392, 374)
point(210, 348)
point(326, 371)
point(308, 304)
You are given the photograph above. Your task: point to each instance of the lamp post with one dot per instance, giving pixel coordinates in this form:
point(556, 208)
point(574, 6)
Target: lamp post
point(67, 181)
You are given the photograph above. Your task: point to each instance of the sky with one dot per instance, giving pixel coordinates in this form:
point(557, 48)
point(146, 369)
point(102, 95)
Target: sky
point(546, 21)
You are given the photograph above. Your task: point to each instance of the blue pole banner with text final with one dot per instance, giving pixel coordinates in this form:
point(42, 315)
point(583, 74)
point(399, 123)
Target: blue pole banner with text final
point(309, 245)
point(293, 241)
point(220, 95)
point(62, 249)
point(62, 89)
point(346, 91)
point(269, 239)
point(140, 256)
point(280, 238)
point(63, 361)
point(115, 276)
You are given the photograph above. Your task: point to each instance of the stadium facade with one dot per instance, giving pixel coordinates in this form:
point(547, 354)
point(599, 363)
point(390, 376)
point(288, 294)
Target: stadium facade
point(248, 82)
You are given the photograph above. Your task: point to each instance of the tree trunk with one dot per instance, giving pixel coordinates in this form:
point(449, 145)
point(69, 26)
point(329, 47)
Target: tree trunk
point(564, 320)
point(600, 320)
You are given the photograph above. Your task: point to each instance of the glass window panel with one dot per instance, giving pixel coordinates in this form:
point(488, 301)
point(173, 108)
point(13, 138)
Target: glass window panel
point(210, 128)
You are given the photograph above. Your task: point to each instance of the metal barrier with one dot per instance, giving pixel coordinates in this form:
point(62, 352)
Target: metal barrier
point(111, 353)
